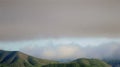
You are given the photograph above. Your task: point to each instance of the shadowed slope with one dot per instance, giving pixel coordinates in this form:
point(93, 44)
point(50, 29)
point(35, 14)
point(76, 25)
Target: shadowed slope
point(19, 59)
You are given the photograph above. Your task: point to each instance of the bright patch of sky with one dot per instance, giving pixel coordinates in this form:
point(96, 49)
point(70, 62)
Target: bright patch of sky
point(56, 41)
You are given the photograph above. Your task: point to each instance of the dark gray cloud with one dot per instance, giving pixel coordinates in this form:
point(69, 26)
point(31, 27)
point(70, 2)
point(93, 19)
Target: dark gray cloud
point(27, 19)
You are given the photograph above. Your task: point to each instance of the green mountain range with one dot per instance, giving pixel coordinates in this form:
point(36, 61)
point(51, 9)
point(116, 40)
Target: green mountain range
point(19, 59)
point(83, 62)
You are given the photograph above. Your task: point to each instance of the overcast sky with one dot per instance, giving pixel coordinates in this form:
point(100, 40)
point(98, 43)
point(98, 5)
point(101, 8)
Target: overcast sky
point(28, 19)
point(58, 22)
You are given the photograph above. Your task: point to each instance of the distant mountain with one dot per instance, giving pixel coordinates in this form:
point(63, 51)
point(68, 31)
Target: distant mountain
point(19, 59)
point(83, 62)
point(113, 62)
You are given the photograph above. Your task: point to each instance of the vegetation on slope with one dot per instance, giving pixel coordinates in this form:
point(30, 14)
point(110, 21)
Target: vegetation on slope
point(18, 59)
point(81, 63)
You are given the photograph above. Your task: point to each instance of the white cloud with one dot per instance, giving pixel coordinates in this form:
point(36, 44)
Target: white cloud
point(72, 51)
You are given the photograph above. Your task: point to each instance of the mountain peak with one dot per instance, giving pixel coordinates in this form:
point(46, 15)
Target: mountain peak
point(14, 58)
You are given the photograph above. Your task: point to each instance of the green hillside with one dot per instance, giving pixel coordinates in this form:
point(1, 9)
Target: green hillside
point(81, 63)
point(19, 59)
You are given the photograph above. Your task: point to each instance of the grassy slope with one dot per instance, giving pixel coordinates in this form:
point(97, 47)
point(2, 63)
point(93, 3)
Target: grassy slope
point(18, 59)
point(81, 63)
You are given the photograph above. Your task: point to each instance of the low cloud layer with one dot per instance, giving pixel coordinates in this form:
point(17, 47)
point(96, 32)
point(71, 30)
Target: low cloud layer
point(108, 50)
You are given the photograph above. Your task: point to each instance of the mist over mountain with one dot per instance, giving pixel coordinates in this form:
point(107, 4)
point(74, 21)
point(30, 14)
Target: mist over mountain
point(71, 51)
point(19, 59)
point(83, 62)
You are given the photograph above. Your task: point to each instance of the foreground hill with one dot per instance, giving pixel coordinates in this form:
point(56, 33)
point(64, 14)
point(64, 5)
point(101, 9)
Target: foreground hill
point(19, 59)
point(81, 63)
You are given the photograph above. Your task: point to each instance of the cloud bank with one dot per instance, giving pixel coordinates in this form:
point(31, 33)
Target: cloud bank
point(72, 51)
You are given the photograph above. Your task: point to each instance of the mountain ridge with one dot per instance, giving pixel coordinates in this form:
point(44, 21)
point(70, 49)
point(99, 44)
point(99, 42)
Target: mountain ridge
point(82, 62)
point(19, 59)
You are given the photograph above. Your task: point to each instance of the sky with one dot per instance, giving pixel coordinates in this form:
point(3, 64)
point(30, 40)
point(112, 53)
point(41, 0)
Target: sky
point(67, 26)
